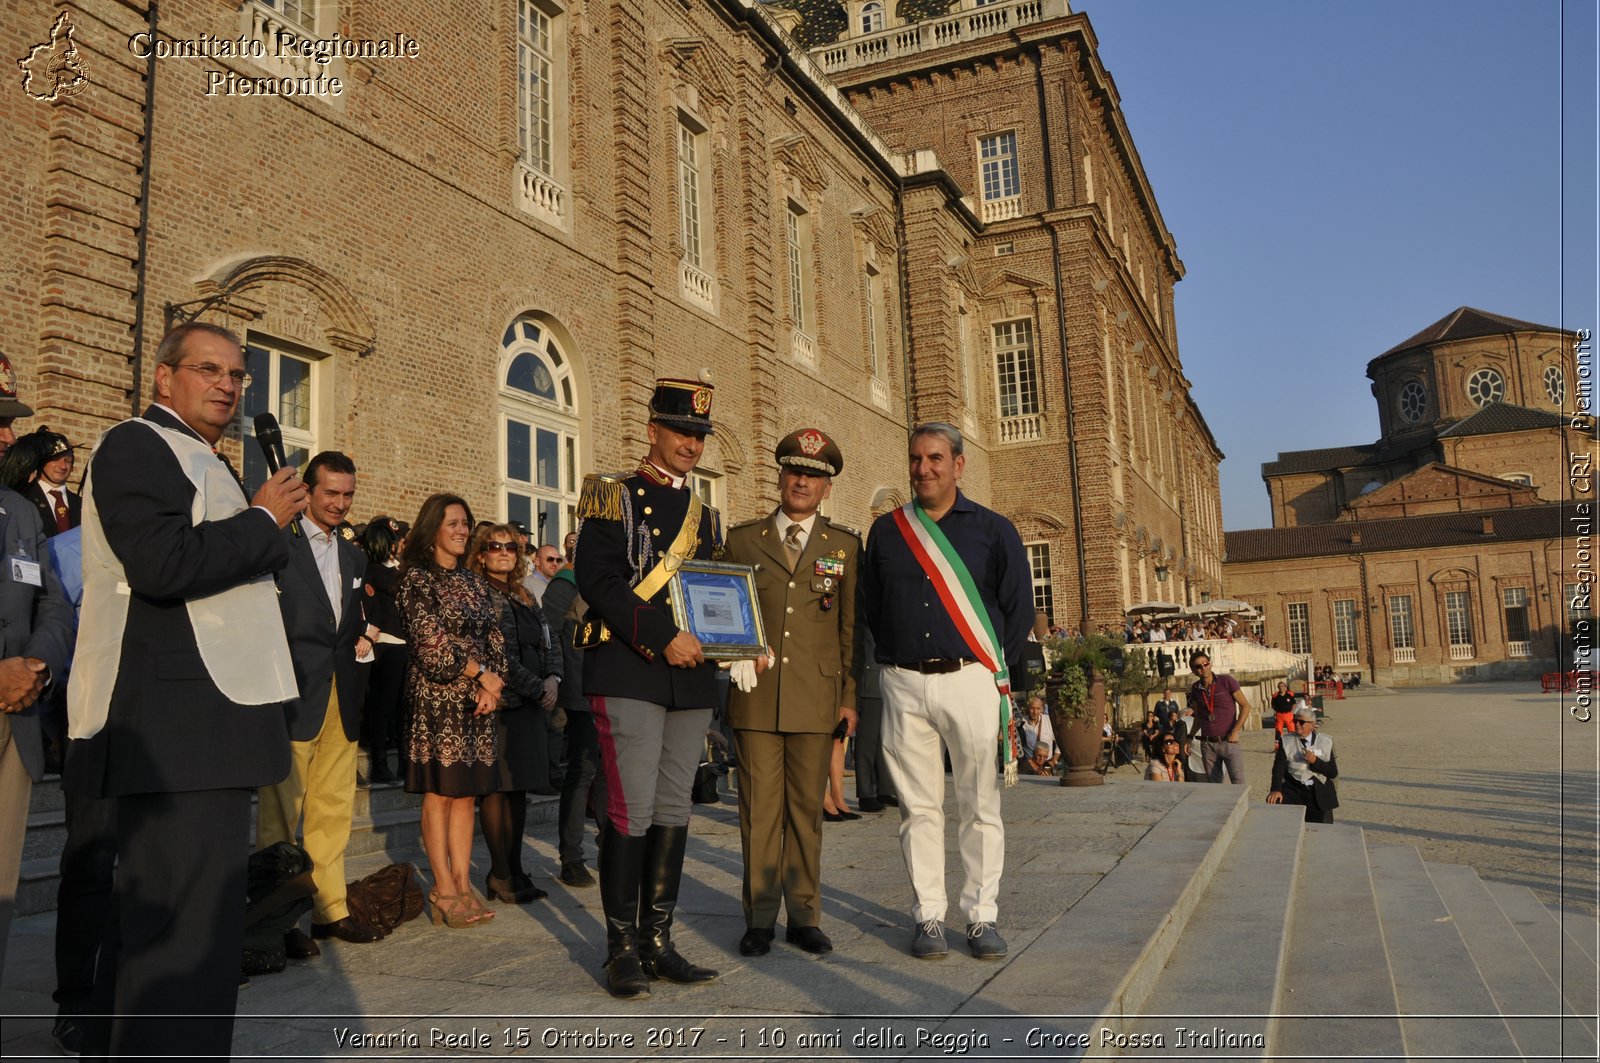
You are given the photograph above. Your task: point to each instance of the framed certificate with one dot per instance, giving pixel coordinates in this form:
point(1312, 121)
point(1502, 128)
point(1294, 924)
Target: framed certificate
point(716, 603)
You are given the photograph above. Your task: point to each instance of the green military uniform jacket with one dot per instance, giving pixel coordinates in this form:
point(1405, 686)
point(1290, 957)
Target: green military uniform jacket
point(809, 617)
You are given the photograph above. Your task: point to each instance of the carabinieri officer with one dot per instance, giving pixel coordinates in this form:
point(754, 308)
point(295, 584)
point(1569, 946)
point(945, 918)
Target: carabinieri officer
point(649, 685)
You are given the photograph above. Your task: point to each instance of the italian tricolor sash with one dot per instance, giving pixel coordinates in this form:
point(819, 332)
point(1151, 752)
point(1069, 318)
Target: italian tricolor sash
point(959, 595)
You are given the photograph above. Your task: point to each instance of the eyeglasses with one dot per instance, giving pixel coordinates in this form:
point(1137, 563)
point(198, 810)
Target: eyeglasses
point(491, 548)
point(213, 374)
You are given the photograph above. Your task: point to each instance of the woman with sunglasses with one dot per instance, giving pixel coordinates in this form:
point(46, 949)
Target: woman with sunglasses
point(1167, 764)
point(533, 670)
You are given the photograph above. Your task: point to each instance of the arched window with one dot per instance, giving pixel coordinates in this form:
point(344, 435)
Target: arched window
point(871, 17)
point(539, 432)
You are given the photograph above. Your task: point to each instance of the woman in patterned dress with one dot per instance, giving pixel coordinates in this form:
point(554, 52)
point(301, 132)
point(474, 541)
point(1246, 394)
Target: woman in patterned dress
point(452, 690)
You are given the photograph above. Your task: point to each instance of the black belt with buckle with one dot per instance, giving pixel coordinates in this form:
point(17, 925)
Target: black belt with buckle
point(938, 666)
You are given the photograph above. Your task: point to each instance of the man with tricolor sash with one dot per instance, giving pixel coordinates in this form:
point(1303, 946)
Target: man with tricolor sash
point(945, 590)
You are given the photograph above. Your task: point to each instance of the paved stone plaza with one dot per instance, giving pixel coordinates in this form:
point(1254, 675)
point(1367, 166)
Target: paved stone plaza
point(1468, 775)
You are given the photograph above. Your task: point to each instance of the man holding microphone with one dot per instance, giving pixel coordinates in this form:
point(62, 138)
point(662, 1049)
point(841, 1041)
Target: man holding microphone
point(182, 666)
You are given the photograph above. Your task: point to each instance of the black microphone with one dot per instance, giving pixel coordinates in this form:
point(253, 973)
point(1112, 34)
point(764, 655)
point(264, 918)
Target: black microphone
point(270, 436)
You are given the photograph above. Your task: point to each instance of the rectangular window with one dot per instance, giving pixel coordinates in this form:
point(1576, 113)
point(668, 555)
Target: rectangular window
point(1515, 600)
point(1016, 371)
point(1299, 627)
point(797, 275)
point(1039, 571)
point(280, 384)
point(998, 160)
point(1402, 631)
point(534, 94)
point(1345, 647)
point(870, 283)
point(301, 12)
point(689, 194)
point(1458, 619)
point(707, 486)
point(1579, 598)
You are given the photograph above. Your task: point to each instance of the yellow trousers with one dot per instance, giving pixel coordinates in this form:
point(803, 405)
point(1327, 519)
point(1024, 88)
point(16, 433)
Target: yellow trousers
point(321, 786)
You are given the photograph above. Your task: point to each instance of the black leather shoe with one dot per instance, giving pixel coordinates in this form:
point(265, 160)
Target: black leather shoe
point(809, 938)
point(870, 804)
point(890, 800)
point(625, 977)
point(757, 941)
point(348, 929)
point(297, 946)
point(832, 817)
point(672, 967)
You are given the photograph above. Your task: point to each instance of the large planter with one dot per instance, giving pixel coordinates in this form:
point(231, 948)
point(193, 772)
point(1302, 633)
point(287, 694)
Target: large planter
point(1080, 737)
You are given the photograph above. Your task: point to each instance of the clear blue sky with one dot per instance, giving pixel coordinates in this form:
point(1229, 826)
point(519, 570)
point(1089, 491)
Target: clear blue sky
point(1340, 175)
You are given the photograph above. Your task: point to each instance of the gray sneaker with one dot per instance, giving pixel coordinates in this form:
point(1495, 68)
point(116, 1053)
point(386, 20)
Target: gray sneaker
point(928, 942)
point(985, 941)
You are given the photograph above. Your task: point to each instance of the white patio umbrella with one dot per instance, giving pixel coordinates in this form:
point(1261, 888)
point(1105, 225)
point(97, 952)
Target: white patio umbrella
point(1153, 608)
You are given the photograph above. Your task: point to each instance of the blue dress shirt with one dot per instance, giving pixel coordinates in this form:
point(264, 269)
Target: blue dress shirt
point(902, 609)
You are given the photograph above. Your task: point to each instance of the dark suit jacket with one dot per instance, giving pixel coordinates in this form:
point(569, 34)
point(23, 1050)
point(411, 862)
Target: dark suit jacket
point(323, 651)
point(34, 621)
point(1323, 792)
point(630, 664)
point(47, 511)
point(169, 728)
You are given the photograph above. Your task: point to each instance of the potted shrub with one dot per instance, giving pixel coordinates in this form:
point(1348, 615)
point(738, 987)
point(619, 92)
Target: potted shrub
point(1075, 693)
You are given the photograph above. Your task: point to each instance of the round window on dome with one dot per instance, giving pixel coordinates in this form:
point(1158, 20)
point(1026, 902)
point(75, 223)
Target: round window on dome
point(1413, 401)
point(1555, 384)
point(1486, 386)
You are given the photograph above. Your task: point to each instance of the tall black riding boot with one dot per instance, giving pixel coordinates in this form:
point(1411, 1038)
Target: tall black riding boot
point(621, 858)
point(663, 871)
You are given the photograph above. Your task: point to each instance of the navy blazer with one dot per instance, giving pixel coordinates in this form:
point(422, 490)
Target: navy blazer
point(169, 729)
point(630, 664)
point(35, 621)
point(323, 651)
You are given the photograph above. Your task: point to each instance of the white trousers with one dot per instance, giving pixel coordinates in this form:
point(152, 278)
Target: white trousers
point(962, 708)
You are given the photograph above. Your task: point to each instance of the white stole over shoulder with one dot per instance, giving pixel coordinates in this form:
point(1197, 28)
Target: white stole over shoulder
point(239, 631)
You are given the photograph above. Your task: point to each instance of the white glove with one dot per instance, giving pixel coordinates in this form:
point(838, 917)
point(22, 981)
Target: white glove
point(743, 674)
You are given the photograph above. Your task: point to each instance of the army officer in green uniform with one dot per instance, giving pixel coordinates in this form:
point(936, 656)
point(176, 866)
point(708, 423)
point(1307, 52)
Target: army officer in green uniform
point(805, 574)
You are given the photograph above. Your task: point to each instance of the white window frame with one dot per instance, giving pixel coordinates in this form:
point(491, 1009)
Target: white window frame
point(1514, 599)
point(1298, 623)
point(797, 221)
point(1044, 597)
point(1458, 621)
point(873, 18)
point(1402, 623)
point(708, 486)
point(528, 335)
point(302, 13)
point(1016, 369)
point(871, 281)
point(1488, 380)
point(999, 172)
point(297, 437)
point(1346, 640)
point(691, 193)
point(536, 58)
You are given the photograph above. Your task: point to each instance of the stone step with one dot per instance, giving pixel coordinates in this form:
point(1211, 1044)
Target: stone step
point(1445, 1009)
point(1581, 928)
point(1529, 1000)
point(47, 830)
point(1563, 960)
point(1244, 915)
point(387, 820)
point(1336, 989)
point(1121, 933)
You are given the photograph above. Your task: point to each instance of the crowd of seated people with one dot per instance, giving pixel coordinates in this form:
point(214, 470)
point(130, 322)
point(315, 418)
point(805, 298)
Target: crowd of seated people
point(1222, 628)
